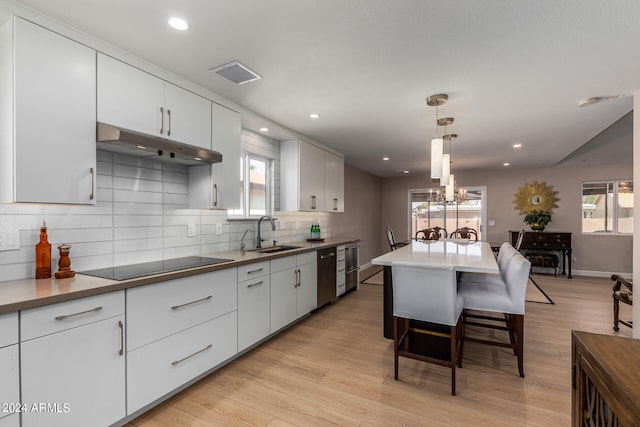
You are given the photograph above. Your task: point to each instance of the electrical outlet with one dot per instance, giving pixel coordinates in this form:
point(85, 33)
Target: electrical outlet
point(191, 230)
point(9, 239)
point(218, 228)
point(282, 225)
point(574, 259)
point(492, 222)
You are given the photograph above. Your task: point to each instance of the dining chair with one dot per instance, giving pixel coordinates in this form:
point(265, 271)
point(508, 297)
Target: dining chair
point(392, 240)
point(508, 301)
point(465, 233)
point(505, 255)
point(426, 295)
point(433, 233)
point(622, 291)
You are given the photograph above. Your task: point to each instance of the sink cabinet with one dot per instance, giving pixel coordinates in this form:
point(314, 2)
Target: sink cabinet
point(311, 179)
point(217, 186)
point(47, 116)
point(136, 100)
point(293, 288)
point(72, 360)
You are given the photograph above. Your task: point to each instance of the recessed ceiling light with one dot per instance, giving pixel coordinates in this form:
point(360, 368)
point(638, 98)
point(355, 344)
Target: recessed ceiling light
point(197, 158)
point(385, 158)
point(142, 147)
point(178, 23)
point(518, 145)
point(405, 171)
point(264, 129)
point(506, 164)
point(314, 115)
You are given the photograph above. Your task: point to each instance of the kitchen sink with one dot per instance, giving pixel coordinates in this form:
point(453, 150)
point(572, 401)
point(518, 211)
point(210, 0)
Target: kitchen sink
point(274, 249)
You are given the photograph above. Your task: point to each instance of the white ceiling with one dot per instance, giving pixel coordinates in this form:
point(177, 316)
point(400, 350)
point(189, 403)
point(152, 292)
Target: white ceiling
point(514, 70)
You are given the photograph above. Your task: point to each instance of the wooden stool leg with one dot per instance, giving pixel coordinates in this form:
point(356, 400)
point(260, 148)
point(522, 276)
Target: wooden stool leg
point(616, 313)
point(454, 346)
point(395, 347)
point(518, 321)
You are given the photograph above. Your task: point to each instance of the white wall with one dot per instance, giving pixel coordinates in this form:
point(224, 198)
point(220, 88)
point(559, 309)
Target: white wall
point(141, 215)
point(636, 201)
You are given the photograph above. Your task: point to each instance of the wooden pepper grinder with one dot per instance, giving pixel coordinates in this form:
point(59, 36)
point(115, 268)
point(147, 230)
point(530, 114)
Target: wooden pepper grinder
point(43, 255)
point(64, 263)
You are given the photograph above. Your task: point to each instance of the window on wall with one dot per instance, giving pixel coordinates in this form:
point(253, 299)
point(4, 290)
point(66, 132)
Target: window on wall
point(255, 186)
point(607, 207)
point(426, 212)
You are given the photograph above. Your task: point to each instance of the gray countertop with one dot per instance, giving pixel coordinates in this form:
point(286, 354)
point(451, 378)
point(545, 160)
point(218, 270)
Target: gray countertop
point(29, 293)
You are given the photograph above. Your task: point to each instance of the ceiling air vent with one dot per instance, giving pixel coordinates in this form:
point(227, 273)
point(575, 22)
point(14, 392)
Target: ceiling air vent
point(236, 72)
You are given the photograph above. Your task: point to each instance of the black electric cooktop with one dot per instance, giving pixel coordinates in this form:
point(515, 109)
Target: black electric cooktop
point(125, 272)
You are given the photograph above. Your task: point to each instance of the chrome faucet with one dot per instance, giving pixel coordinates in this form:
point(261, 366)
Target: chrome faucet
point(273, 228)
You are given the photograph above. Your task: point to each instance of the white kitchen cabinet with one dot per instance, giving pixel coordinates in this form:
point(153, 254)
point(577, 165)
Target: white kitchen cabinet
point(253, 309)
point(158, 310)
point(311, 179)
point(133, 99)
point(48, 116)
point(217, 186)
point(79, 372)
point(9, 369)
point(162, 366)
point(333, 182)
point(293, 288)
point(12, 420)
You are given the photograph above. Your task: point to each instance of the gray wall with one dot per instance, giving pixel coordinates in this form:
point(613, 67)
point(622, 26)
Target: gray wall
point(362, 215)
point(594, 253)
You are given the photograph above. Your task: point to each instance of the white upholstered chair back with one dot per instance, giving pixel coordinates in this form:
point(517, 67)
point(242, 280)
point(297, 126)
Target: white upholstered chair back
point(505, 255)
point(427, 294)
point(516, 279)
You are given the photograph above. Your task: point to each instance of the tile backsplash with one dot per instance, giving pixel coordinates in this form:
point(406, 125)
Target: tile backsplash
point(141, 215)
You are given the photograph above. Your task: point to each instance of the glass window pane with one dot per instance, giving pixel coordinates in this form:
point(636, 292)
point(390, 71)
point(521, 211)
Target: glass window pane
point(257, 186)
point(469, 213)
point(597, 212)
point(625, 207)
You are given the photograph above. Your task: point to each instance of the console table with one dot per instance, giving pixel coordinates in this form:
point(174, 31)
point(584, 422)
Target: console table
point(605, 380)
point(547, 241)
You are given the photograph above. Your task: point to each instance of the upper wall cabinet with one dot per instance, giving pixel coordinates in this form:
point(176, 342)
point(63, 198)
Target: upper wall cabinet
point(311, 179)
point(136, 100)
point(217, 186)
point(47, 116)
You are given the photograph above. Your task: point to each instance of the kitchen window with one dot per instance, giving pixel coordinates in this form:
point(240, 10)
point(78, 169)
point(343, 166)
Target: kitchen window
point(255, 186)
point(607, 207)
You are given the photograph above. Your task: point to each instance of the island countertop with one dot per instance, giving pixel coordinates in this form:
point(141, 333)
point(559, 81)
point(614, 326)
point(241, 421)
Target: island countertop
point(29, 293)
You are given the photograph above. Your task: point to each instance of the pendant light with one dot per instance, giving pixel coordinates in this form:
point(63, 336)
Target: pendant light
point(437, 144)
point(446, 156)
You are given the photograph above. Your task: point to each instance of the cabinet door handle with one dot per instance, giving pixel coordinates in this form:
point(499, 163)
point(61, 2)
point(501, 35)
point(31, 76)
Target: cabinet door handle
point(169, 116)
point(215, 194)
point(313, 202)
point(121, 326)
point(162, 121)
point(335, 204)
point(175, 362)
point(299, 277)
point(93, 183)
point(256, 270)
point(175, 307)
point(328, 255)
point(255, 284)
point(341, 270)
point(65, 316)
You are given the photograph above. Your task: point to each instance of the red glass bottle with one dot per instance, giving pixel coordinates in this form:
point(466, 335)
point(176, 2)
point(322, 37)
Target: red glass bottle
point(43, 255)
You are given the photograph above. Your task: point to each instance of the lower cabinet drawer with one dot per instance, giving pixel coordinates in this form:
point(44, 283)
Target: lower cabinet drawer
point(10, 381)
point(8, 329)
point(160, 367)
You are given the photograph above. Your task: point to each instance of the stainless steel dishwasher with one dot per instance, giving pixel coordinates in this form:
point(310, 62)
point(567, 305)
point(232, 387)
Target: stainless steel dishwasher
point(326, 275)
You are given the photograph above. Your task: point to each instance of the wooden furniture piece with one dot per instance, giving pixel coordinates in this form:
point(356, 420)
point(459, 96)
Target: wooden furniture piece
point(434, 233)
point(621, 294)
point(505, 304)
point(542, 241)
point(605, 380)
point(391, 238)
point(426, 295)
point(474, 257)
point(465, 233)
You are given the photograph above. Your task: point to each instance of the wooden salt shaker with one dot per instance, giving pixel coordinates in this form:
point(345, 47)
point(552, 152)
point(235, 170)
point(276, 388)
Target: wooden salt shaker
point(64, 263)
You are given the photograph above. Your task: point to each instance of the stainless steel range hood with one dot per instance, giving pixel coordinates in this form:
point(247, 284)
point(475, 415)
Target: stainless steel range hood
point(125, 141)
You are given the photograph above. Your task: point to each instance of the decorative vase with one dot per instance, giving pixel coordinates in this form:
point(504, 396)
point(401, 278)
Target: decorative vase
point(536, 226)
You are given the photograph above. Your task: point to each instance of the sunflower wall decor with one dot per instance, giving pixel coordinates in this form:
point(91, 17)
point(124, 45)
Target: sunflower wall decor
point(535, 196)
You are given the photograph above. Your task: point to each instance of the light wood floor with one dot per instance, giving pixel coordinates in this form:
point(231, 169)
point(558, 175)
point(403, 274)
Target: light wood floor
point(335, 368)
